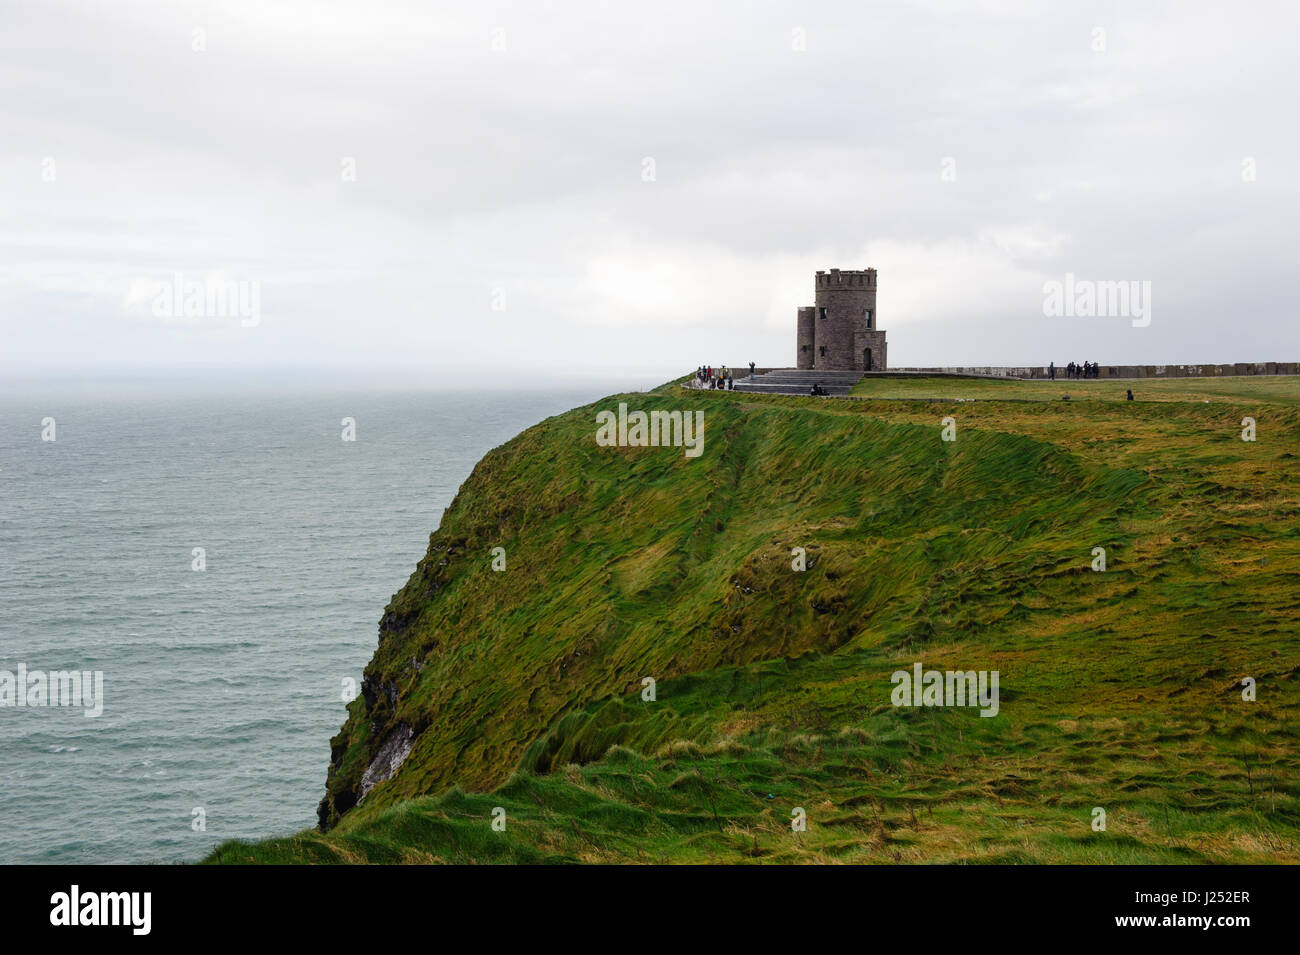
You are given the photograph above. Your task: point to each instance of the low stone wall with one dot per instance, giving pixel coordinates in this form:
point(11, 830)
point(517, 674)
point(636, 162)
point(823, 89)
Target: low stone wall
point(1125, 371)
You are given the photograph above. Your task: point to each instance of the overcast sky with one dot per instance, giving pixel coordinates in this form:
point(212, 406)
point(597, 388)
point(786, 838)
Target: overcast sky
point(451, 186)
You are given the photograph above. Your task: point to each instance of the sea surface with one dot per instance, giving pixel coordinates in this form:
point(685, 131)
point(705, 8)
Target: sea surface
point(222, 686)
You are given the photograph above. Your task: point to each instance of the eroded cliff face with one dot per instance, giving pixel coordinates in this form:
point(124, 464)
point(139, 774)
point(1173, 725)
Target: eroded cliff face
point(375, 742)
point(619, 562)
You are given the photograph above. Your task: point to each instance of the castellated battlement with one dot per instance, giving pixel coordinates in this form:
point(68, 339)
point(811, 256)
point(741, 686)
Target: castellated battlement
point(840, 331)
point(846, 278)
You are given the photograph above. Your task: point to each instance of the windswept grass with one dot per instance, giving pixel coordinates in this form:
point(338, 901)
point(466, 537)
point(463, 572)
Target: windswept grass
point(1119, 690)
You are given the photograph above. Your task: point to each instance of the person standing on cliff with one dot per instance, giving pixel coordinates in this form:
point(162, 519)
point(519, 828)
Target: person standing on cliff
point(1051, 371)
point(751, 371)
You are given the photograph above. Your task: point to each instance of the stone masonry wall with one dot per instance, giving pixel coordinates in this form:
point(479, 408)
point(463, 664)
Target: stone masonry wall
point(806, 349)
point(1122, 371)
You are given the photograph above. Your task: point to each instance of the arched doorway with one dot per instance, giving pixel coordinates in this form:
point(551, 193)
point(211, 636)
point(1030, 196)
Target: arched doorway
point(866, 359)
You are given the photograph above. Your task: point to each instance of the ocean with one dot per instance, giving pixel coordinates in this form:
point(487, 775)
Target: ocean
point(222, 685)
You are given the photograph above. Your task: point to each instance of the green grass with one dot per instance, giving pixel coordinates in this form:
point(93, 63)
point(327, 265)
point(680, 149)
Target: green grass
point(1277, 388)
point(1118, 689)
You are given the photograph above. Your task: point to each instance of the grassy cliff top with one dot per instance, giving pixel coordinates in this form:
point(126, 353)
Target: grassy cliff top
point(523, 688)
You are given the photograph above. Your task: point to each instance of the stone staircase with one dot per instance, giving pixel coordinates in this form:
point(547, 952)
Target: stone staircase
point(793, 381)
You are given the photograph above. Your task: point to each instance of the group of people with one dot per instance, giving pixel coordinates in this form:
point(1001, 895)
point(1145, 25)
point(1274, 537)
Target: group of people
point(719, 378)
point(715, 378)
point(1075, 370)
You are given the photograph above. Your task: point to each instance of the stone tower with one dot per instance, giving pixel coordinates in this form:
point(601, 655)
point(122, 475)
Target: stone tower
point(841, 332)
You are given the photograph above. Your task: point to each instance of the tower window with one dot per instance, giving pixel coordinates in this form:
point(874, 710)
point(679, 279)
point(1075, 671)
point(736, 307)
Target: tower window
point(821, 313)
point(823, 350)
point(868, 319)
